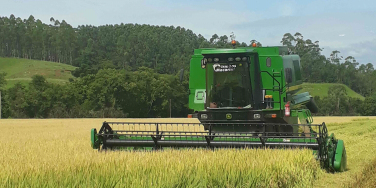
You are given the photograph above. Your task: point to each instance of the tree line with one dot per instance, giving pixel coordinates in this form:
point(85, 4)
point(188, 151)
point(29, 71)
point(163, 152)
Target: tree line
point(91, 48)
point(109, 93)
point(316, 68)
point(142, 93)
point(125, 65)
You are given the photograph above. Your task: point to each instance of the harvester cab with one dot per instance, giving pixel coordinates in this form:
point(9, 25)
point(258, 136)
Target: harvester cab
point(244, 98)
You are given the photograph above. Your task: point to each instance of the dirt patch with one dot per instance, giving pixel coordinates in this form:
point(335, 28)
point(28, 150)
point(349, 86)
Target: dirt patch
point(57, 73)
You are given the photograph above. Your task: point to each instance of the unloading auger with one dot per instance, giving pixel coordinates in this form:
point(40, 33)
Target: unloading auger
point(243, 98)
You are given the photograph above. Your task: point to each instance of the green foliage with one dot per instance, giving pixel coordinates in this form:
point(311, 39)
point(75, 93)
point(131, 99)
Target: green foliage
point(109, 93)
point(2, 79)
point(91, 48)
point(369, 106)
point(16, 96)
point(4, 105)
point(338, 102)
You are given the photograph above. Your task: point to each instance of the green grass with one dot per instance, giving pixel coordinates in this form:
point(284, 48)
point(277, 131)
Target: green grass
point(21, 70)
point(321, 89)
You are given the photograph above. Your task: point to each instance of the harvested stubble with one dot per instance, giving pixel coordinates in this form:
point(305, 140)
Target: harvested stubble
point(57, 153)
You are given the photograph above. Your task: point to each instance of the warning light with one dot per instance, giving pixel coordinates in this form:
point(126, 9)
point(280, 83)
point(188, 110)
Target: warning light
point(233, 42)
point(254, 44)
point(287, 109)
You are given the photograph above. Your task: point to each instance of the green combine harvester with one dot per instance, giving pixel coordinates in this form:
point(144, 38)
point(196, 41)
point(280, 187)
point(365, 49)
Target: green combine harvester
point(244, 97)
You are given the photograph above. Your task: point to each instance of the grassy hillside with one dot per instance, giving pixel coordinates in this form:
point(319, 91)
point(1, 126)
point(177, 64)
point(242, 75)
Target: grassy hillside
point(21, 70)
point(321, 89)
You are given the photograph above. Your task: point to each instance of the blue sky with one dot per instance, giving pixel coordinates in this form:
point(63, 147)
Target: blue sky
point(347, 26)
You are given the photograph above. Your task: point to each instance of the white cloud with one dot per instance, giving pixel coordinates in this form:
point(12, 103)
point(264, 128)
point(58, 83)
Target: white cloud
point(341, 35)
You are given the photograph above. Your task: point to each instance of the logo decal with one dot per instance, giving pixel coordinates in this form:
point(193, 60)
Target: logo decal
point(228, 116)
point(223, 68)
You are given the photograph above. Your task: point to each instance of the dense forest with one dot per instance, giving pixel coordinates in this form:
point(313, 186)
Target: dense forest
point(131, 70)
point(124, 46)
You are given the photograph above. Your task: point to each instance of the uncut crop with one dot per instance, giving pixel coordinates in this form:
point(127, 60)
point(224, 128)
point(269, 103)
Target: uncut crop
point(359, 135)
point(57, 153)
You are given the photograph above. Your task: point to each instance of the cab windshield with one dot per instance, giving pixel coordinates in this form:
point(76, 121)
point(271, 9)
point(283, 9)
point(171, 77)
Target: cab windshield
point(228, 85)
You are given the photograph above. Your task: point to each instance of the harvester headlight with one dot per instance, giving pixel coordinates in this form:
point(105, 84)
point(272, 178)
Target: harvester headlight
point(210, 59)
point(204, 116)
point(230, 59)
point(238, 59)
point(216, 59)
point(244, 59)
point(203, 63)
point(256, 116)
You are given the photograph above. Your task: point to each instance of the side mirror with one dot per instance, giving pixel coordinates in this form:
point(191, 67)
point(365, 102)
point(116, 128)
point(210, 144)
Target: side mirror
point(181, 75)
point(288, 75)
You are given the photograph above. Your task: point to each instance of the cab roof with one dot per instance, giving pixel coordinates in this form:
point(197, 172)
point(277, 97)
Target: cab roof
point(274, 50)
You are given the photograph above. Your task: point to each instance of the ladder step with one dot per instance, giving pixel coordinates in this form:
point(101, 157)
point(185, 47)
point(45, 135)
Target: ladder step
point(276, 74)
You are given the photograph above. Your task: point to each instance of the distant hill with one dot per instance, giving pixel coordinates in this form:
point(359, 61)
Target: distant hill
point(321, 89)
point(21, 70)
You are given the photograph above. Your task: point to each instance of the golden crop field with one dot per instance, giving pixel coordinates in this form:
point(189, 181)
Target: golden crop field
point(57, 153)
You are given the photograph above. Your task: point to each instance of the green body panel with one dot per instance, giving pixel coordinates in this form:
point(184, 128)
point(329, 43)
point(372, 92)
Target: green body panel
point(94, 139)
point(301, 98)
point(304, 116)
point(197, 86)
point(331, 149)
point(293, 62)
point(340, 159)
point(225, 51)
point(276, 68)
